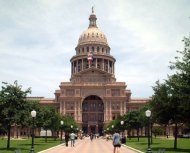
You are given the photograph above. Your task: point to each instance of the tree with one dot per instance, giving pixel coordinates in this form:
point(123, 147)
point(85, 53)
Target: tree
point(133, 120)
point(68, 121)
point(44, 118)
point(12, 104)
point(182, 77)
point(171, 99)
point(157, 131)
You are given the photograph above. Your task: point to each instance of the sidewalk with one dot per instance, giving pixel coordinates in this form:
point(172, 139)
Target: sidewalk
point(87, 146)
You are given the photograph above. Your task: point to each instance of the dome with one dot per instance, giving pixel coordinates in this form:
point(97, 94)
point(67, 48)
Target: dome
point(93, 35)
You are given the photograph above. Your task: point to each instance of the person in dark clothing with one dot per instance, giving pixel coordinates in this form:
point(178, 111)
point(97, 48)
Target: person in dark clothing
point(123, 139)
point(66, 138)
point(91, 136)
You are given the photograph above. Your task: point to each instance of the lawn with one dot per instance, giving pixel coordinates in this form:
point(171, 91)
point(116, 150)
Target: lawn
point(183, 145)
point(25, 145)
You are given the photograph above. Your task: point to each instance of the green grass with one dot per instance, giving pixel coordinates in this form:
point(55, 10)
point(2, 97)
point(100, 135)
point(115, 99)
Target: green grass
point(25, 145)
point(183, 145)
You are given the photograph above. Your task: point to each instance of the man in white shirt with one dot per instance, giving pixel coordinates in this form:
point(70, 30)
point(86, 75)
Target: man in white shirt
point(72, 137)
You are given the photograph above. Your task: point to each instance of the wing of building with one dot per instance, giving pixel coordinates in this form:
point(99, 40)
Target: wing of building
point(93, 97)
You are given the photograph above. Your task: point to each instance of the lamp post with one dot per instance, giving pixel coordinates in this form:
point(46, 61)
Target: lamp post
point(71, 128)
point(33, 114)
point(107, 130)
point(122, 122)
point(148, 114)
point(61, 122)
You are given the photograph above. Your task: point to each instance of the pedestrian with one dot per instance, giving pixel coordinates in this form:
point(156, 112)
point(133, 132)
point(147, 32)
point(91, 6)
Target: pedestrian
point(66, 138)
point(123, 139)
point(72, 137)
point(91, 136)
point(116, 142)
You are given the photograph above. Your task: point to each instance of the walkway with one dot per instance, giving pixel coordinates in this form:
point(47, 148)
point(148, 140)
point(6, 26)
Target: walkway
point(87, 146)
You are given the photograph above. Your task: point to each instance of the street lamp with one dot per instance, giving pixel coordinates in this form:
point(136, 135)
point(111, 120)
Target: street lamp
point(71, 128)
point(107, 130)
point(33, 114)
point(122, 122)
point(148, 114)
point(61, 122)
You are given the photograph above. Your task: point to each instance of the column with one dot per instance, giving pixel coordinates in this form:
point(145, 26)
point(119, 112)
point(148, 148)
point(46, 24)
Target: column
point(108, 66)
point(105, 111)
point(64, 108)
point(75, 114)
point(113, 68)
point(72, 68)
point(124, 107)
point(79, 111)
point(60, 109)
point(102, 64)
point(121, 106)
point(82, 64)
point(77, 66)
point(96, 63)
point(110, 117)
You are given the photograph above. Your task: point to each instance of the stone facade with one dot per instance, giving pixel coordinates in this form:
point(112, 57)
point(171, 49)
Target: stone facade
point(93, 97)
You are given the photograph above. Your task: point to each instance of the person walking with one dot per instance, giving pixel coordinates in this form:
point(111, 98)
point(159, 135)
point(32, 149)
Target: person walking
point(91, 136)
point(66, 138)
point(116, 142)
point(72, 137)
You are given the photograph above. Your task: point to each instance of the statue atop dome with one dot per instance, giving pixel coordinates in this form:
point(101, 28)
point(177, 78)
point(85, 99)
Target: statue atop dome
point(92, 9)
point(92, 19)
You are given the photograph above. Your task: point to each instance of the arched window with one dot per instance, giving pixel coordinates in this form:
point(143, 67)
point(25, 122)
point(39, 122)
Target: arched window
point(98, 49)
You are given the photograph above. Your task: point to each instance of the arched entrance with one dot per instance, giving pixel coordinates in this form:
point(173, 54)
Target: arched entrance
point(92, 115)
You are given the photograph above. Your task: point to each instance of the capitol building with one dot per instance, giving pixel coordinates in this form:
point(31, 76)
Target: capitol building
point(93, 97)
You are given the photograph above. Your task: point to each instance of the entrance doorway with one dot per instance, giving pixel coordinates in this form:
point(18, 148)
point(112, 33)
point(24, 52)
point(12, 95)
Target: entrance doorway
point(92, 115)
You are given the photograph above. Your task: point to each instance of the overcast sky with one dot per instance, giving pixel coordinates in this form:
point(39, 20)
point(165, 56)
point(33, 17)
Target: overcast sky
point(38, 39)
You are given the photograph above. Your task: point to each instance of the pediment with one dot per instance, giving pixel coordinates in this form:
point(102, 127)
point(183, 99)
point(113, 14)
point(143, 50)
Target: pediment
point(93, 72)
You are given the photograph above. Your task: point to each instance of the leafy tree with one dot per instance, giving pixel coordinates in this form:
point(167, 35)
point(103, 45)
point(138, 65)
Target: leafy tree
point(12, 104)
point(171, 99)
point(44, 118)
point(68, 121)
point(181, 65)
point(157, 131)
point(134, 121)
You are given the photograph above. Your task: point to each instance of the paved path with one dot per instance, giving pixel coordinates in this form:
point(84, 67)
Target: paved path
point(87, 146)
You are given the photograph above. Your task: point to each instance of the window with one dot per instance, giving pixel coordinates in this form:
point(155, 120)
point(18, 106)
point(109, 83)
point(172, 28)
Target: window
point(115, 105)
point(98, 49)
point(70, 92)
point(69, 105)
point(115, 92)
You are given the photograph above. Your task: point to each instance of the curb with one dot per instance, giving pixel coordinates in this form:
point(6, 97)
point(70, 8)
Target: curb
point(138, 151)
point(51, 148)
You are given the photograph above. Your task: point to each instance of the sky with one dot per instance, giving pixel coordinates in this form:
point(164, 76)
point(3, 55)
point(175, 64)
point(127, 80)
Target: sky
point(38, 39)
